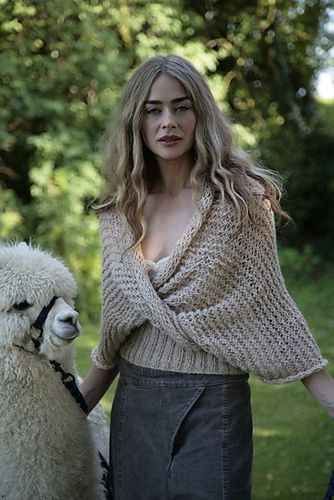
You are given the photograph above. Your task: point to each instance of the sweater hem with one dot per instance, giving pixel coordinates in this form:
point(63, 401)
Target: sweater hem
point(294, 378)
point(98, 364)
point(226, 369)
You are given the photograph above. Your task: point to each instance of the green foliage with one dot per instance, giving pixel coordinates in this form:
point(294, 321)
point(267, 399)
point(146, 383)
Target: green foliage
point(299, 265)
point(11, 220)
point(61, 74)
point(62, 65)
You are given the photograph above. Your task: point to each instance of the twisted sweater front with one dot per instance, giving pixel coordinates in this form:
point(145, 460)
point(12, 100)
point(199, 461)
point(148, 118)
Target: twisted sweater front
point(218, 305)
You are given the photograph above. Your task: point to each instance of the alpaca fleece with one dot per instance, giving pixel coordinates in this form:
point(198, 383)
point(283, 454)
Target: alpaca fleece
point(219, 305)
point(46, 447)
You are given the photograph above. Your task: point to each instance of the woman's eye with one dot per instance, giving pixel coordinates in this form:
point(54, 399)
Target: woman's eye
point(21, 306)
point(152, 111)
point(182, 108)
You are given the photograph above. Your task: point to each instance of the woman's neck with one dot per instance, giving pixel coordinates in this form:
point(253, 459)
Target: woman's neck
point(174, 176)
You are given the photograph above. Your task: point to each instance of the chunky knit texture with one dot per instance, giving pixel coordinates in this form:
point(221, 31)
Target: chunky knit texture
point(217, 305)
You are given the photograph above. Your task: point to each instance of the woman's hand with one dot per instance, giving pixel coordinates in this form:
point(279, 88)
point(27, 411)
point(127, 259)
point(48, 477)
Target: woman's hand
point(321, 386)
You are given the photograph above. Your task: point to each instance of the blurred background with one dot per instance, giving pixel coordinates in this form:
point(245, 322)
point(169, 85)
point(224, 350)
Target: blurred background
point(270, 65)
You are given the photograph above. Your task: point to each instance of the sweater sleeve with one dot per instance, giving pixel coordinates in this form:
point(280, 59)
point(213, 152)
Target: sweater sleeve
point(256, 326)
point(118, 318)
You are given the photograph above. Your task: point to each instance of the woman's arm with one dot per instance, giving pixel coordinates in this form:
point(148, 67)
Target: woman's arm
point(96, 384)
point(321, 386)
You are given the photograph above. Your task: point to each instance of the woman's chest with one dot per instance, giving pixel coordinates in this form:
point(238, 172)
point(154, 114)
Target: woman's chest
point(166, 222)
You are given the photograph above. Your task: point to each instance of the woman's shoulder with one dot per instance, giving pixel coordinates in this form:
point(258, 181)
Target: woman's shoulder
point(255, 196)
point(105, 210)
point(107, 217)
point(255, 210)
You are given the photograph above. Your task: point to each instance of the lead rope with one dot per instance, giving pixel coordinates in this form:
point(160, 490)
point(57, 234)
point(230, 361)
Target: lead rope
point(69, 382)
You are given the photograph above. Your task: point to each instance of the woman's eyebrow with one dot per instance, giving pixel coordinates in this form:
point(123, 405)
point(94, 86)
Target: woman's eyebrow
point(178, 99)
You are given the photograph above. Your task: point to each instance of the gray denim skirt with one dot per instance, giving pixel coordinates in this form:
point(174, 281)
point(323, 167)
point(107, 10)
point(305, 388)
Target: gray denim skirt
point(179, 436)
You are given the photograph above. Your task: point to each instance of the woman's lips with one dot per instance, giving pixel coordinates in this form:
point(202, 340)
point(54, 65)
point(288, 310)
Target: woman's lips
point(169, 140)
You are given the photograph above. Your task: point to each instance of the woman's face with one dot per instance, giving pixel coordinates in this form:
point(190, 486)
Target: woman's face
point(169, 121)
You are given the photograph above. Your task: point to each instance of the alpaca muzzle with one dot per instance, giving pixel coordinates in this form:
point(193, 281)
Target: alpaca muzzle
point(65, 324)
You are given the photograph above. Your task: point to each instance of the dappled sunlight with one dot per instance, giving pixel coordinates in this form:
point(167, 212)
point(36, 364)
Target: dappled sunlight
point(266, 433)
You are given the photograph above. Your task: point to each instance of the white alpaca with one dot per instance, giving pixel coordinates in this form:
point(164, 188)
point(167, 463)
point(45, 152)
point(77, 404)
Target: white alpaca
point(46, 447)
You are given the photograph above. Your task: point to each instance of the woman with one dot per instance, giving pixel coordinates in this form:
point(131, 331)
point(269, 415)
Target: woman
point(193, 298)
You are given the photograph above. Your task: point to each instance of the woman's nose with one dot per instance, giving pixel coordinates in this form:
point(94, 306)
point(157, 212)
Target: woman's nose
point(168, 119)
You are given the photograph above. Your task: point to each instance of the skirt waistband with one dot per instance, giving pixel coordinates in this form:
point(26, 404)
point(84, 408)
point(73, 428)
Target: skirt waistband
point(156, 376)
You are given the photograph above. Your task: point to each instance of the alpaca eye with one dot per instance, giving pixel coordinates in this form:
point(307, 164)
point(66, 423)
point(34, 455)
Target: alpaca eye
point(22, 306)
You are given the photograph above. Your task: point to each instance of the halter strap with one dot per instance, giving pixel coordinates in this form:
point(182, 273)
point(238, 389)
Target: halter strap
point(39, 322)
point(67, 378)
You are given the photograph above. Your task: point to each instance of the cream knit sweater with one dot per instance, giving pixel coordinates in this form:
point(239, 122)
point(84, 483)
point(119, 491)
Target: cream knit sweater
point(217, 305)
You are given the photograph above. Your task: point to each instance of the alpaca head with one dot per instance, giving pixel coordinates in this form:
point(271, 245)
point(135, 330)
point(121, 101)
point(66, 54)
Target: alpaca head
point(29, 279)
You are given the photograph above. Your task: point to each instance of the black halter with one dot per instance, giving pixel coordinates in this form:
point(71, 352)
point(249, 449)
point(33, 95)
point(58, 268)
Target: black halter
point(39, 323)
point(69, 382)
point(67, 378)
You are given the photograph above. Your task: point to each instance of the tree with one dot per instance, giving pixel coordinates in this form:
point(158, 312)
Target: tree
point(62, 66)
point(61, 72)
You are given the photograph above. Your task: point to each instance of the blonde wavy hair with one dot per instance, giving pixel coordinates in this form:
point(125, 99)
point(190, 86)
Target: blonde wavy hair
point(129, 167)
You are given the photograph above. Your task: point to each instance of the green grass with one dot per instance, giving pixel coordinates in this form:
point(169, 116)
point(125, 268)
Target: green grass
point(327, 112)
point(85, 343)
point(293, 437)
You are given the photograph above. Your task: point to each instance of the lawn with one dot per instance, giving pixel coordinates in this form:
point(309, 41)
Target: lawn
point(293, 437)
point(326, 109)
